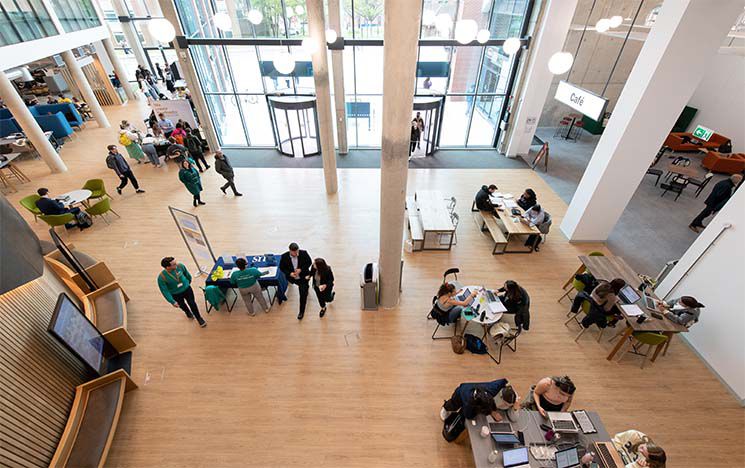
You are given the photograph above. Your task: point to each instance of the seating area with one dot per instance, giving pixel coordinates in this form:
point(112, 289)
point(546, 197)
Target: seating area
point(733, 163)
point(686, 142)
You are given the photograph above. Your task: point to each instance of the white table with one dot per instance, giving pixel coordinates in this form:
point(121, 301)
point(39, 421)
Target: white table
point(435, 218)
point(74, 197)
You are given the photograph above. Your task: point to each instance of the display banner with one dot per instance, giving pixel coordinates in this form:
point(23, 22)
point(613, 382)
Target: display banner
point(195, 239)
point(174, 109)
point(581, 100)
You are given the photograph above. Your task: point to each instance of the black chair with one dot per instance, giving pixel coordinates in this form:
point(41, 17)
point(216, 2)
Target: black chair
point(677, 185)
point(451, 271)
point(700, 183)
point(440, 316)
point(678, 161)
point(655, 172)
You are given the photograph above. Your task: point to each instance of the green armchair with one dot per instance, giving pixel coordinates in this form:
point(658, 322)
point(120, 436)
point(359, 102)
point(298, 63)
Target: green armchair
point(101, 208)
point(29, 203)
point(57, 220)
point(97, 188)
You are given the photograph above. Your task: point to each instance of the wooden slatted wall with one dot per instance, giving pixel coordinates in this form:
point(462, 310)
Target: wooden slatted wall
point(38, 376)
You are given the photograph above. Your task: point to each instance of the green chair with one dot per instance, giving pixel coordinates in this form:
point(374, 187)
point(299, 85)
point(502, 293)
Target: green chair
point(101, 208)
point(577, 285)
point(29, 203)
point(57, 220)
point(97, 188)
point(652, 340)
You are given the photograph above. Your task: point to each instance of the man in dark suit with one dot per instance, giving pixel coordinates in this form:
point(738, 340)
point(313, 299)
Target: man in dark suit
point(719, 196)
point(50, 206)
point(295, 264)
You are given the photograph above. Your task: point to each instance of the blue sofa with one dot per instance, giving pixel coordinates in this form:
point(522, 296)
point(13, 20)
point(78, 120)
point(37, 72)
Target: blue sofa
point(68, 110)
point(8, 127)
point(5, 114)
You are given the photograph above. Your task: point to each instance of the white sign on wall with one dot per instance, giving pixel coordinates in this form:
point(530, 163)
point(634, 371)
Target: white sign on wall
point(175, 109)
point(581, 100)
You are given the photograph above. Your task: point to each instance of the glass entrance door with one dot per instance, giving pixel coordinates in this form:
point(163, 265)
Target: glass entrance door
point(295, 125)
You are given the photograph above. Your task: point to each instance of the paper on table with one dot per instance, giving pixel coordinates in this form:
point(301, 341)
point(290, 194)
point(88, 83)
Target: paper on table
point(632, 310)
point(269, 271)
point(507, 195)
point(510, 204)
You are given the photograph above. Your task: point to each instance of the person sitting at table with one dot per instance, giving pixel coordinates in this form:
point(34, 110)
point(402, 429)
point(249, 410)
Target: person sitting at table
point(246, 280)
point(551, 394)
point(487, 398)
point(534, 216)
point(323, 283)
point(49, 206)
point(637, 450)
point(166, 125)
point(604, 309)
point(683, 310)
point(483, 203)
point(517, 303)
point(448, 308)
point(527, 199)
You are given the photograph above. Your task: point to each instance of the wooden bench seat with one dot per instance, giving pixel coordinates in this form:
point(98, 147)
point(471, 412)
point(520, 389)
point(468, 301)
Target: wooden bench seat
point(98, 271)
point(107, 309)
point(417, 232)
point(487, 222)
point(92, 423)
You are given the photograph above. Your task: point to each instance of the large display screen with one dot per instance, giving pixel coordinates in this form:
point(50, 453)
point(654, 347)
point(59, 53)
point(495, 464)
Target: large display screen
point(75, 331)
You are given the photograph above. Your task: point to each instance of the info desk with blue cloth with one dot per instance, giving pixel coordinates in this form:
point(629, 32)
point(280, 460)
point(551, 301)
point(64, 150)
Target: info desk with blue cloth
point(277, 281)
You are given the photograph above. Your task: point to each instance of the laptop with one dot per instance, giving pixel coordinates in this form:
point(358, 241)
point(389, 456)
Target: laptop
point(628, 295)
point(567, 458)
point(501, 427)
point(649, 303)
point(562, 422)
point(607, 456)
point(516, 458)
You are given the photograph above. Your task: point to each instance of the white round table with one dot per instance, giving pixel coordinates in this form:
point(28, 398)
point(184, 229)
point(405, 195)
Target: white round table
point(74, 197)
point(490, 318)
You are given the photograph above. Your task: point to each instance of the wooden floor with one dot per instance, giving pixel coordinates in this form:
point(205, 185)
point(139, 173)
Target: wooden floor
point(355, 389)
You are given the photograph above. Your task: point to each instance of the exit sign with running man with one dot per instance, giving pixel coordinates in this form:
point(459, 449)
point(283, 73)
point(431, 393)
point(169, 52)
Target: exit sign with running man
point(703, 133)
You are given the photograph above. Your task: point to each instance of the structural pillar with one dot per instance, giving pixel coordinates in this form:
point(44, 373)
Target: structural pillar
point(402, 22)
point(337, 65)
point(317, 33)
point(28, 124)
point(647, 109)
point(551, 34)
point(85, 89)
point(190, 75)
point(118, 68)
point(130, 33)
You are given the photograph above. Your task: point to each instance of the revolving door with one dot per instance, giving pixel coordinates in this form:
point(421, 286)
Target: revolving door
point(295, 125)
point(430, 110)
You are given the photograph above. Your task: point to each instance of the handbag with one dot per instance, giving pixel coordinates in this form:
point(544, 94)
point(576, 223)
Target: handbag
point(458, 344)
point(454, 425)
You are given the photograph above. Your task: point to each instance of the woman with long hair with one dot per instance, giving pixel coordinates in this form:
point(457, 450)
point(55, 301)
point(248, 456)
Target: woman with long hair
point(189, 176)
point(517, 302)
point(638, 450)
point(323, 283)
point(448, 304)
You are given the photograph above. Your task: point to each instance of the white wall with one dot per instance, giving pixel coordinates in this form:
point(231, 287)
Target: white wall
point(717, 280)
point(720, 99)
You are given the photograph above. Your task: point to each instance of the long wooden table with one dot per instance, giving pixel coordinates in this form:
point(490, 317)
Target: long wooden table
point(435, 218)
point(514, 225)
point(609, 267)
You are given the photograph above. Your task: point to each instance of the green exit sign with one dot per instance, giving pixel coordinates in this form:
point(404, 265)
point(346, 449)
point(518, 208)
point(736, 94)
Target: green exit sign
point(703, 133)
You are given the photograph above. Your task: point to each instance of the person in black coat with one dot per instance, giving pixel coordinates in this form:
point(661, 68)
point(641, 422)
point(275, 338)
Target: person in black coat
point(50, 206)
point(415, 134)
point(323, 283)
point(483, 203)
point(527, 200)
point(517, 302)
point(716, 200)
point(295, 264)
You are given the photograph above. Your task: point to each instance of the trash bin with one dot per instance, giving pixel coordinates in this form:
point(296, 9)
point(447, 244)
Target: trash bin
point(369, 287)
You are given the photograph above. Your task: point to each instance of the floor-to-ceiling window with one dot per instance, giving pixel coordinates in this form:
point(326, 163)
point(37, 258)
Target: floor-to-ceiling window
point(235, 65)
point(24, 20)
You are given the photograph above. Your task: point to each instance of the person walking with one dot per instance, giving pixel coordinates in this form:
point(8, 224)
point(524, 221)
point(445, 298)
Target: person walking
point(129, 137)
point(295, 264)
point(420, 124)
point(189, 176)
point(415, 133)
point(323, 283)
point(247, 282)
point(223, 167)
point(174, 283)
point(116, 162)
point(194, 145)
point(716, 200)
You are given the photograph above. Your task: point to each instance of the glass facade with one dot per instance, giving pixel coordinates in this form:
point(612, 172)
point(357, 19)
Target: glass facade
point(75, 15)
point(473, 80)
point(24, 20)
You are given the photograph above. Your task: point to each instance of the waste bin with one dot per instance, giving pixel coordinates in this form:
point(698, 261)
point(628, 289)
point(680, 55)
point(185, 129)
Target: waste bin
point(369, 287)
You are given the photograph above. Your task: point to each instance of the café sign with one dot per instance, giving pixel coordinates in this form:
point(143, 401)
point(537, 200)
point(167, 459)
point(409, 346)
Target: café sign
point(581, 100)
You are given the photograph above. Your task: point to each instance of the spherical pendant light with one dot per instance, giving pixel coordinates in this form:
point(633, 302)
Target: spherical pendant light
point(331, 36)
point(483, 36)
point(466, 30)
point(284, 63)
point(162, 30)
point(560, 63)
point(602, 25)
point(511, 45)
point(616, 21)
point(222, 21)
point(255, 16)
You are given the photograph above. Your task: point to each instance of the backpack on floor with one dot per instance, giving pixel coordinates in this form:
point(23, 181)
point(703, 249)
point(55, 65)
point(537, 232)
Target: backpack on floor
point(83, 219)
point(455, 423)
point(475, 345)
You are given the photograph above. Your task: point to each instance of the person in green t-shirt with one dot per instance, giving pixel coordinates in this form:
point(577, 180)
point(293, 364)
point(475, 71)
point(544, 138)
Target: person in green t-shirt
point(175, 285)
point(246, 280)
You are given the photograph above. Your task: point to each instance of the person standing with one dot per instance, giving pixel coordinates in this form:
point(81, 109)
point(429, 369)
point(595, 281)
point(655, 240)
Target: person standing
point(323, 283)
point(130, 138)
point(148, 147)
point(166, 125)
point(189, 176)
point(716, 200)
point(194, 145)
point(174, 283)
point(116, 162)
point(159, 71)
point(223, 167)
point(420, 124)
point(247, 282)
point(415, 133)
point(295, 264)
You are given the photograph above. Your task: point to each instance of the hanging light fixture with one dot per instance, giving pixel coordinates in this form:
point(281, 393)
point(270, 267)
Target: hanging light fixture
point(560, 63)
point(511, 45)
point(309, 45)
point(483, 36)
point(331, 36)
point(222, 21)
point(255, 16)
point(615, 21)
point(284, 63)
point(602, 25)
point(466, 30)
point(162, 30)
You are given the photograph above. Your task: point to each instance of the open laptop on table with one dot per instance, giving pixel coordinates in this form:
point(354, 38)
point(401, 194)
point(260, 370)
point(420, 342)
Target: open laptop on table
point(567, 458)
point(628, 295)
point(562, 422)
point(516, 458)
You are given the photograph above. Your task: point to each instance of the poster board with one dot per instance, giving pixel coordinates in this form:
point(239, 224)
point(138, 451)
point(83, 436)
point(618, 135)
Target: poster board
point(195, 239)
point(174, 109)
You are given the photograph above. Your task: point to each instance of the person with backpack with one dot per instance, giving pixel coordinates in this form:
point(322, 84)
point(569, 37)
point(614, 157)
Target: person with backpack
point(189, 176)
point(116, 162)
point(223, 167)
point(194, 145)
point(472, 399)
point(129, 138)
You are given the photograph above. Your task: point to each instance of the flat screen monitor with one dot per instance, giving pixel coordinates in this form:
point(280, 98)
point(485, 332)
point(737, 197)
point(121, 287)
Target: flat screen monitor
point(73, 329)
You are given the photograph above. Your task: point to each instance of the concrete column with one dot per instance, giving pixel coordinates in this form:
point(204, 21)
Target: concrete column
point(118, 68)
point(28, 124)
point(337, 65)
point(551, 33)
point(190, 76)
point(647, 109)
point(402, 21)
point(130, 33)
point(317, 33)
point(85, 88)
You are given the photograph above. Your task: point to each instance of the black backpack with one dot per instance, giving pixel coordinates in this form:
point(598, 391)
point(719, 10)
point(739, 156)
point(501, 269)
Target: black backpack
point(475, 345)
point(455, 423)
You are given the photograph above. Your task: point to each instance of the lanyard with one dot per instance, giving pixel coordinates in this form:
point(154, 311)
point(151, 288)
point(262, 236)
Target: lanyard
point(174, 277)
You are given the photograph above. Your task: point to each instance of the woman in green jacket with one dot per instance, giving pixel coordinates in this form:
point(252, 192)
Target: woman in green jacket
point(189, 176)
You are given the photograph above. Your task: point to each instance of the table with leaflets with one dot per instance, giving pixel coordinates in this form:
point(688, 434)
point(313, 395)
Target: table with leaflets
point(269, 263)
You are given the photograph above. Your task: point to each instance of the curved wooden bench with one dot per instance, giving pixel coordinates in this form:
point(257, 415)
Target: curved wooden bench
point(92, 423)
point(98, 271)
point(106, 307)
